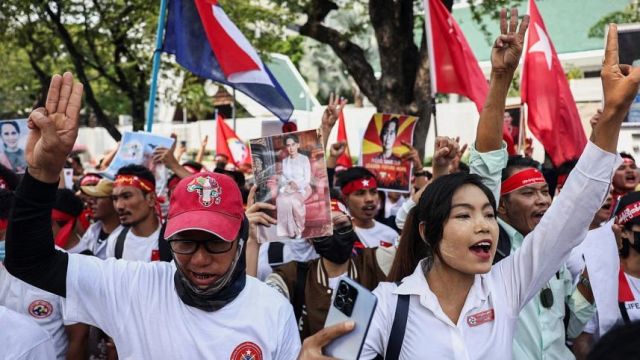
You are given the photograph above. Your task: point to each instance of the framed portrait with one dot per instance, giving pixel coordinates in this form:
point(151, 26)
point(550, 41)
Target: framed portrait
point(383, 148)
point(13, 140)
point(291, 173)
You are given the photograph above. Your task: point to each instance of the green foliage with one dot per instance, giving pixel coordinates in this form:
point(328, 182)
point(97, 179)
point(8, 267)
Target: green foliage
point(630, 14)
point(481, 8)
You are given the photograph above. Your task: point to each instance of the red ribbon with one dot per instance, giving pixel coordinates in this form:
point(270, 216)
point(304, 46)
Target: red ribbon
point(65, 231)
point(359, 184)
point(521, 179)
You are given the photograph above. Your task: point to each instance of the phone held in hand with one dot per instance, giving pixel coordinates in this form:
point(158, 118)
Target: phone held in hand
point(351, 301)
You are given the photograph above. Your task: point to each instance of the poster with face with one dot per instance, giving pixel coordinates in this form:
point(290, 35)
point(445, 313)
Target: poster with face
point(629, 53)
point(291, 173)
point(383, 148)
point(512, 123)
point(137, 148)
point(13, 136)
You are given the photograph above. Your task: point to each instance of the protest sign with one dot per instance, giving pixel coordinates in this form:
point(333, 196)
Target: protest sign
point(629, 53)
point(13, 139)
point(383, 148)
point(291, 173)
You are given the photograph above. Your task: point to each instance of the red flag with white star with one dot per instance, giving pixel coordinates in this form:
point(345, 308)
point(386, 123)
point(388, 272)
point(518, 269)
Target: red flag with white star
point(229, 144)
point(345, 158)
point(552, 113)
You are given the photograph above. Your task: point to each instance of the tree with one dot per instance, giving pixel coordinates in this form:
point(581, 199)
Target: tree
point(630, 14)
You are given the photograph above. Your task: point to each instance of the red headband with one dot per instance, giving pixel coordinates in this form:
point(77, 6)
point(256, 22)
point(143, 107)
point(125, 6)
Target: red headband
point(132, 180)
point(521, 179)
point(628, 161)
point(359, 184)
point(4, 223)
point(65, 231)
point(628, 213)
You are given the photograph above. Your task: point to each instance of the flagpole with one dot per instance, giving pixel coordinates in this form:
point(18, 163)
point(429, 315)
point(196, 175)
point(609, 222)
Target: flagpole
point(153, 89)
point(233, 110)
point(435, 118)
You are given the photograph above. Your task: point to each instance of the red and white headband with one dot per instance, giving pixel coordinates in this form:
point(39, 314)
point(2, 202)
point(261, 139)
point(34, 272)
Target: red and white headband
point(521, 179)
point(132, 180)
point(360, 184)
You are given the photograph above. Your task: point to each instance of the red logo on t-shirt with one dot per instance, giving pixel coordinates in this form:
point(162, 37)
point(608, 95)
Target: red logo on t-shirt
point(40, 309)
point(155, 255)
point(480, 318)
point(247, 351)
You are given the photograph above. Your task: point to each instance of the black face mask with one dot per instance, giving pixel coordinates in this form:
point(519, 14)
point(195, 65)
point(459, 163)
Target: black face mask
point(636, 241)
point(338, 247)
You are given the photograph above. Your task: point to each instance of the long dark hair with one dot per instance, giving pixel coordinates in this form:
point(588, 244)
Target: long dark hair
point(433, 210)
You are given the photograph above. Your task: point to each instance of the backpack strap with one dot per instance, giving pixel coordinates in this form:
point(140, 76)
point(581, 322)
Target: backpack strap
point(120, 242)
point(396, 336)
point(504, 245)
point(302, 268)
point(275, 253)
point(163, 245)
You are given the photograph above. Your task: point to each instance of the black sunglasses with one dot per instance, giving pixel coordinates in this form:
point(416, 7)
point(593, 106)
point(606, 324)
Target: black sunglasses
point(188, 247)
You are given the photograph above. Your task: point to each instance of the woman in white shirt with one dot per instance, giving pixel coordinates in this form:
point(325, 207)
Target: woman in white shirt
point(459, 306)
point(294, 189)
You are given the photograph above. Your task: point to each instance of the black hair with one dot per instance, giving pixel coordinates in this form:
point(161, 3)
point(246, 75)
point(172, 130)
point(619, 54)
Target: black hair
point(139, 171)
point(353, 173)
point(566, 167)
point(433, 209)
point(293, 137)
point(9, 177)
point(13, 123)
point(6, 198)
point(68, 202)
point(625, 155)
point(196, 165)
point(464, 168)
point(518, 162)
point(386, 125)
point(618, 343)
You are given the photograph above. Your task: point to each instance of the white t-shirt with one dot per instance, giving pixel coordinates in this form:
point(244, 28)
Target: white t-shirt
point(378, 235)
point(633, 308)
point(22, 339)
point(41, 306)
point(137, 304)
point(293, 250)
point(90, 240)
point(135, 248)
point(391, 209)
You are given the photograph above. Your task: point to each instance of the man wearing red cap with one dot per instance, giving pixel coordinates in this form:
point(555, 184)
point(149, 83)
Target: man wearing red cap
point(201, 306)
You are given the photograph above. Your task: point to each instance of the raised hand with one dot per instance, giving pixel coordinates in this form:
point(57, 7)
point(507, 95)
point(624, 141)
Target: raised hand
point(446, 151)
point(507, 48)
point(337, 149)
point(619, 81)
point(332, 111)
point(54, 129)
point(620, 85)
point(413, 155)
point(312, 346)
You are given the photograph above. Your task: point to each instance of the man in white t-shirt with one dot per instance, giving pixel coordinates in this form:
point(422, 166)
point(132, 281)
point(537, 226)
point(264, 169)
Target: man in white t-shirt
point(134, 199)
point(98, 198)
point(22, 338)
point(360, 192)
point(200, 306)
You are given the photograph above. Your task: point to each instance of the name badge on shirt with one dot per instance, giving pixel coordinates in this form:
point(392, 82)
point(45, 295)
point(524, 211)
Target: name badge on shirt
point(480, 318)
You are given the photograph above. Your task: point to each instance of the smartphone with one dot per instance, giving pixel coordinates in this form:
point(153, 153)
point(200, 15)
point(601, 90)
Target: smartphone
point(351, 301)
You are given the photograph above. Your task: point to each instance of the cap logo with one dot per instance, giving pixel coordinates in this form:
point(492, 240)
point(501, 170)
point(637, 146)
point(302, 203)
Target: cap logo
point(207, 188)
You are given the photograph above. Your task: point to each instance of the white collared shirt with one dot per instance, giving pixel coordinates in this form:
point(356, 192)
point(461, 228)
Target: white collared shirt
point(488, 318)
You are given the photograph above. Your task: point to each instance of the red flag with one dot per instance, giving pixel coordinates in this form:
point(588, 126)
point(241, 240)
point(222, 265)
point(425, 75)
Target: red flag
point(228, 143)
point(552, 113)
point(345, 158)
point(454, 68)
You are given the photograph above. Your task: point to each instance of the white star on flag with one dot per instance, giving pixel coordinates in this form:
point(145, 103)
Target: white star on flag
point(365, 182)
point(542, 45)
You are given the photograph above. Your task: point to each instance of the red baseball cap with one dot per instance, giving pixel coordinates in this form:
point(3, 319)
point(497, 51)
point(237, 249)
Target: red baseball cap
point(208, 202)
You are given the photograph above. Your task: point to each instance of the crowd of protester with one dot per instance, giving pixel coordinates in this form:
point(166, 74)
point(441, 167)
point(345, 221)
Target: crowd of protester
point(480, 261)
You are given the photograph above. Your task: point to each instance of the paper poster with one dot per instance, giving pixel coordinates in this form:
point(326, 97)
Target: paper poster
point(291, 173)
point(68, 178)
point(137, 148)
point(629, 54)
point(382, 150)
point(13, 139)
point(513, 123)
